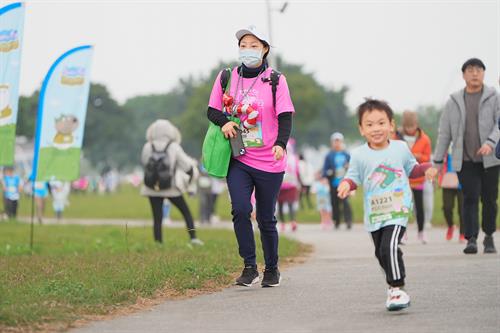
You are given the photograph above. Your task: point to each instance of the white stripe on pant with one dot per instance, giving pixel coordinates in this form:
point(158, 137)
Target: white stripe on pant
point(396, 263)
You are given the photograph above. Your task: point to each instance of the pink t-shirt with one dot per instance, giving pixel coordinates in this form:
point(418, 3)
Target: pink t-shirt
point(260, 139)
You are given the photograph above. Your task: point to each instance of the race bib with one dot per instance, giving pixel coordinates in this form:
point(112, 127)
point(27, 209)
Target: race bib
point(387, 206)
point(252, 137)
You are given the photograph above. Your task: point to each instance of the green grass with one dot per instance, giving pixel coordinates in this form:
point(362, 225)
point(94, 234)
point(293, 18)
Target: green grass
point(76, 271)
point(128, 204)
point(62, 164)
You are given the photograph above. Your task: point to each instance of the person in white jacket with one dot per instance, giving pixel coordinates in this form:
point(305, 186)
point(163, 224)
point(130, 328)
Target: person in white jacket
point(163, 135)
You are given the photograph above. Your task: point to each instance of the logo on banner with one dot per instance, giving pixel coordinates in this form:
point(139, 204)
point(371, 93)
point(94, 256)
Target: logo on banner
point(73, 76)
point(5, 109)
point(9, 40)
point(65, 126)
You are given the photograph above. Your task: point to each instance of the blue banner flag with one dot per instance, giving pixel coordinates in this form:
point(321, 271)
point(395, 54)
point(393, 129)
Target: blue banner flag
point(11, 35)
point(62, 109)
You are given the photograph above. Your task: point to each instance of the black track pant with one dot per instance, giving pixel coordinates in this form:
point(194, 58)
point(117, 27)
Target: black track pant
point(157, 207)
point(389, 255)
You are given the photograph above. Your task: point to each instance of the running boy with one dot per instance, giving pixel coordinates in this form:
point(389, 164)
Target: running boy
point(383, 167)
point(12, 187)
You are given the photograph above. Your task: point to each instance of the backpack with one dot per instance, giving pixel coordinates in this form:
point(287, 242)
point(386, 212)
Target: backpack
point(273, 81)
point(497, 150)
point(158, 170)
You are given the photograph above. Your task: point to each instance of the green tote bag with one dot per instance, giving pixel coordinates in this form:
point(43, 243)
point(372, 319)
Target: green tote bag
point(216, 150)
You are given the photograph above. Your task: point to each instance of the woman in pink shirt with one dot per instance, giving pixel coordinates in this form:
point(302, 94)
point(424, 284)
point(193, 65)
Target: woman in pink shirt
point(266, 122)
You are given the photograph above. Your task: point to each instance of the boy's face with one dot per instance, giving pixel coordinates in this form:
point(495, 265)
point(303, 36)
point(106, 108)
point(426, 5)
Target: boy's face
point(376, 128)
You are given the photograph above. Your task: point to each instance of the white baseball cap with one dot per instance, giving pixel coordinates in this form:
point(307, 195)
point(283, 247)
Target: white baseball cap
point(337, 136)
point(252, 30)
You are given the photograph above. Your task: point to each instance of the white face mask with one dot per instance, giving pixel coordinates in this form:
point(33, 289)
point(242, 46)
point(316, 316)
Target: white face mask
point(250, 58)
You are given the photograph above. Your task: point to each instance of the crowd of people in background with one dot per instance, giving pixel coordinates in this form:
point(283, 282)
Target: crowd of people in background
point(14, 186)
point(468, 172)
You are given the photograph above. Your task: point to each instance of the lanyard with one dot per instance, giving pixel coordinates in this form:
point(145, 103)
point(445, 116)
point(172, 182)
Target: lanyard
point(240, 79)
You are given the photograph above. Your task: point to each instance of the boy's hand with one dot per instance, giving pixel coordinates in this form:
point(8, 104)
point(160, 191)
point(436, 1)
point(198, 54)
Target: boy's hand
point(431, 173)
point(343, 190)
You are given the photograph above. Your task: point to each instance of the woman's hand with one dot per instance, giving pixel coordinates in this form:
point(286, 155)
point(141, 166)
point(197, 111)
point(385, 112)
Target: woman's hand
point(343, 190)
point(278, 152)
point(229, 129)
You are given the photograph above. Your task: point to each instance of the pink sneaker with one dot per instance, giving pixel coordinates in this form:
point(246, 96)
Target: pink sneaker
point(282, 227)
point(461, 238)
point(449, 233)
point(294, 226)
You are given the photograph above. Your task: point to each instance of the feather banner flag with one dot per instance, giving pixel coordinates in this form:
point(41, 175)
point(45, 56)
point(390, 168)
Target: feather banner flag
point(62, 109)
point(11, 35)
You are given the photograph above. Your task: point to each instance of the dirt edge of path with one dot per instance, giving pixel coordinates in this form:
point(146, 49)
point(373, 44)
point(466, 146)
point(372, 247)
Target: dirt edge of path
point(163, 295)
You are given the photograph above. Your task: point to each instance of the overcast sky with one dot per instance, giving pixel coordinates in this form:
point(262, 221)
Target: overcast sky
point(407, 52)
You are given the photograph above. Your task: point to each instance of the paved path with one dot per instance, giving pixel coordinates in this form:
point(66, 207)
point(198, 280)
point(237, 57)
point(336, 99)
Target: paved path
point(341, 289)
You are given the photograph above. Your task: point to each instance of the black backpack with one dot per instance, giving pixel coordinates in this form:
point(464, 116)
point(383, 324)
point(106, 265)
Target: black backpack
point(158, 170)
point(273, 81)
point(497, 150)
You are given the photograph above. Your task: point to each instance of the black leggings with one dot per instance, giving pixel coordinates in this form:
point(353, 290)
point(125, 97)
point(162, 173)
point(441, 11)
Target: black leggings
point(157, 207)
point(449, 195)
point(418, 197)
point(10, 207)
point(291, 211)
point(337, 203)
point(305, 195)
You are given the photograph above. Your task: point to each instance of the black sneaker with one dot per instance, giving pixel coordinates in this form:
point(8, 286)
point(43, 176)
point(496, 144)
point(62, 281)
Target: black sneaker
point(271, 277)
point(249, 276)
point(489, 245)
point(471, 247)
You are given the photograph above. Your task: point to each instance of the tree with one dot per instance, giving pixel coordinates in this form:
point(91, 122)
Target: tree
point(26, 117)
point(109, 131)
